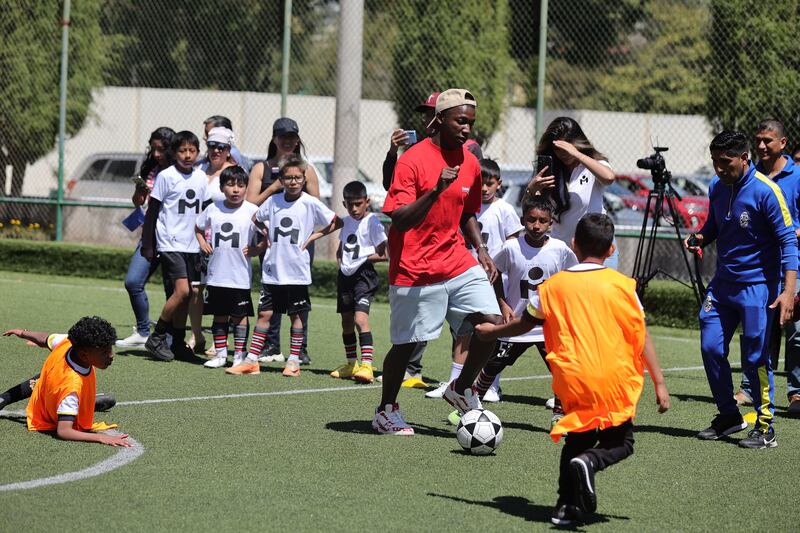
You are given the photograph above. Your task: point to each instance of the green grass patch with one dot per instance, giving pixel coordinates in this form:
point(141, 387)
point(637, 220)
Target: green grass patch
point(309, 461)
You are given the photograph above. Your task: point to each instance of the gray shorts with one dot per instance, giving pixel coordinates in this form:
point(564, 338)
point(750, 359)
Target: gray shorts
point(418, 313)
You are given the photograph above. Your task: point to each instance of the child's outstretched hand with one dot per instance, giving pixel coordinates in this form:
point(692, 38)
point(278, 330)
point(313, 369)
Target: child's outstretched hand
point(206, 248)
point(19, 333)
point(116, 440)
point(662, 398)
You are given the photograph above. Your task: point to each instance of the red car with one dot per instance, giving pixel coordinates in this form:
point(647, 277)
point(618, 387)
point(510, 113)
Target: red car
point(692, 210)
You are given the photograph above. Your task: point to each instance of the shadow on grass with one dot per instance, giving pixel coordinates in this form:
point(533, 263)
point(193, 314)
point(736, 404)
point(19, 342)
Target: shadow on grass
point(524, 426)
point(666, 430)
point(14, 417)
point(693, 398)
point(364, 427)
point(525, 509)
point(525, 400)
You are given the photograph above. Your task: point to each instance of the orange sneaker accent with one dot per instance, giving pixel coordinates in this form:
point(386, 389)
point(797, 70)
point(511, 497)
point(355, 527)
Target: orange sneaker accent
point(246, 367)
point(292, 369)
point(364, 374)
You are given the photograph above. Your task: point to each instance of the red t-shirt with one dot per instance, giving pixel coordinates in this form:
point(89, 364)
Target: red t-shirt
point(434, 250)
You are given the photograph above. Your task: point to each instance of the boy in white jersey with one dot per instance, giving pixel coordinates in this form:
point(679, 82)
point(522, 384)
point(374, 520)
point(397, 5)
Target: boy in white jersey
point(362, 242)
point(172, 211)
point(230, 225)
point(498, 222)
point(287, 220)
point(526, 263)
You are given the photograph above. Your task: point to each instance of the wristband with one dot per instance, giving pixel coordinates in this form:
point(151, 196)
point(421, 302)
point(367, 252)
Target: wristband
point(484, 246)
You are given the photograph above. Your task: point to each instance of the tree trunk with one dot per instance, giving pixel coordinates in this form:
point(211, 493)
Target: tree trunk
point(17, 177)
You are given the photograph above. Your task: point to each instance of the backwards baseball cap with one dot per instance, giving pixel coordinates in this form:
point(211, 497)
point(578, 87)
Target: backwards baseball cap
point(454, 98)
point(285, 125)
point(429, 103)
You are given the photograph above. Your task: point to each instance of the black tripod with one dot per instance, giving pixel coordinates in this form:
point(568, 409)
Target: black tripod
point(662, 193)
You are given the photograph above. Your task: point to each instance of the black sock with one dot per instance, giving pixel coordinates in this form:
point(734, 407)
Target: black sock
point(18, 392)
point(178, 336)
point(162, 327)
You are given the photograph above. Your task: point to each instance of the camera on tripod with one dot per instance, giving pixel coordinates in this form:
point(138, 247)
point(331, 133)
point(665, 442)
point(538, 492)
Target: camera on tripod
point(656, 165)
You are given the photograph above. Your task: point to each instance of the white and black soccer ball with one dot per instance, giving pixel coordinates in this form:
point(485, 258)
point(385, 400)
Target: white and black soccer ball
point(479, 432)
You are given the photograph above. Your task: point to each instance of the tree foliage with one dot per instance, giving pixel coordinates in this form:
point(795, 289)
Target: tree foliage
point(755, 55)
point(441, 45)
point(30, 62)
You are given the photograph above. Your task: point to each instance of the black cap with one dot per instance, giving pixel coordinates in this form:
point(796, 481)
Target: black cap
point(285, 125)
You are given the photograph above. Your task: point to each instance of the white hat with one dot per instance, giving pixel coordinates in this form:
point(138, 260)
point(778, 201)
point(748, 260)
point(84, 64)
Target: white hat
point(220, 135)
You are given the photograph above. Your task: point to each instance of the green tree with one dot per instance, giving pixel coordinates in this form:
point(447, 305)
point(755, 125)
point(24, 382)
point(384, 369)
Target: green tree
point(30, 62)
point(443, 44)
point(754, 63)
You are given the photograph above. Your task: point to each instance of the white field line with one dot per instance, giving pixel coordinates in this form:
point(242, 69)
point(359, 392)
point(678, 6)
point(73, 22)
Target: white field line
point(119, 459)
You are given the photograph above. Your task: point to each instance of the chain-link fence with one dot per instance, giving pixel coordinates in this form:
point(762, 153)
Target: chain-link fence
point(634, 74)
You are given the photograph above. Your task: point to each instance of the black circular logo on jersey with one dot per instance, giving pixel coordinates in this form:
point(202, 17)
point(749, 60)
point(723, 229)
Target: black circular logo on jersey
point(535, 273)
point(190, 194)
point(226, 227)
point(286, 222)
point(351, 239)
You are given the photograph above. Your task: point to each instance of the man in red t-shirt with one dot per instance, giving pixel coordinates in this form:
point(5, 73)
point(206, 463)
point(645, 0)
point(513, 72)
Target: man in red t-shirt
point(436, 191)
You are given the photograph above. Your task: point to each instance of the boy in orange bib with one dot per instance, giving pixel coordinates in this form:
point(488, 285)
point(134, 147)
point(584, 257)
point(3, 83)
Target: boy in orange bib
point(598, 347)
point(64, 397)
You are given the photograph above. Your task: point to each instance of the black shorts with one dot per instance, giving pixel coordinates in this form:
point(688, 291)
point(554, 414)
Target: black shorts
point(226, 301)
point(509, 352)
point(288, 299)
point(176, 265)
point(355, 293)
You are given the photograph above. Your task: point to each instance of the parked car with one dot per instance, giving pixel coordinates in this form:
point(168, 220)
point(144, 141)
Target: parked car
point(104, 177)
point(692, 210)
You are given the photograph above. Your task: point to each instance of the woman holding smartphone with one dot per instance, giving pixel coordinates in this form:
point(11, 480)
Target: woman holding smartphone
point(157, 158)
point(574, 176)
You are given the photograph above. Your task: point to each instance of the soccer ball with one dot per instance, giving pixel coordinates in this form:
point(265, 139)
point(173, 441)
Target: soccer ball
point(479, 432)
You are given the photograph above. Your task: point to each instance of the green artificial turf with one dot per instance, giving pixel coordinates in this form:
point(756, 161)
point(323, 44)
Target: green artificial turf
point(278, 461)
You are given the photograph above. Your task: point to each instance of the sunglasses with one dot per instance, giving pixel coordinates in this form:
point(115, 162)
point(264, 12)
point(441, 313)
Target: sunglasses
point(218, 146)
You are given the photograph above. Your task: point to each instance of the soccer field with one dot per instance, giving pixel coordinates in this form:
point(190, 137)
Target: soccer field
point(224, 453)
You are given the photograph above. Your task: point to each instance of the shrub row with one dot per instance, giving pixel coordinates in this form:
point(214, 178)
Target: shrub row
point(666, 303)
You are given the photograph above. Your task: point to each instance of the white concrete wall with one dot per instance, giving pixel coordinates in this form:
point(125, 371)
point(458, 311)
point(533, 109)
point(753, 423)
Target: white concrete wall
point(122, 119)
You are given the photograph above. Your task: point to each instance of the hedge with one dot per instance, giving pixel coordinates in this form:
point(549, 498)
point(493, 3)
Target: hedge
point(666, 303)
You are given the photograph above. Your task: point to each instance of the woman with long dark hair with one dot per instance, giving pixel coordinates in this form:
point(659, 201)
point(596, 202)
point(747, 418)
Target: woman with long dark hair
point(576, 181)
point(157, 158)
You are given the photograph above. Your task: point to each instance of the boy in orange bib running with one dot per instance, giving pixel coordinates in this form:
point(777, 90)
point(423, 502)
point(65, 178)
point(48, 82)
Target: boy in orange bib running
point(64, 397)
point(598, 347)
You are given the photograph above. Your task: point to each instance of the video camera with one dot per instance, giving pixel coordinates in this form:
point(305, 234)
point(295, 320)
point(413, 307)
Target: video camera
point(656, 165)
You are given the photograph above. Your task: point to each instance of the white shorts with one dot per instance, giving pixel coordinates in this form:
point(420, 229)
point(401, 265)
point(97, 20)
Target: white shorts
point(418, 313)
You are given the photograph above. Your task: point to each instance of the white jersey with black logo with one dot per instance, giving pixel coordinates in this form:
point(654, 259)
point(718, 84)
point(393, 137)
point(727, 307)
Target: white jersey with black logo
point(359, 239)
point(289, 225)
point(181, 196)
point(228, 231)
point(497, 221)
point(526, 267)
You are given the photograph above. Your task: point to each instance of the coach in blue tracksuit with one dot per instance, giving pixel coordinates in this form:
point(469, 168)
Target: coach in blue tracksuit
point(749, 219)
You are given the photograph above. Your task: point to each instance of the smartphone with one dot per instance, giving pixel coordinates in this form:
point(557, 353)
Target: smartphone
point(412, 137)
point(139, 181)
point(541, 162)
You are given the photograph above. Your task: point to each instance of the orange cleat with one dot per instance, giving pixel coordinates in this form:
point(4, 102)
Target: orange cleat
point(245, 367)
point(292, 369)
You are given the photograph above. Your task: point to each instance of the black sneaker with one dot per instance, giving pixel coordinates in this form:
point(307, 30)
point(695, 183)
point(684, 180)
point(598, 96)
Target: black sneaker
point(157, 346)
point(183, 352)
point(103, 402)
point(304, 358)
point(566, 515)
point(723, 425)
point(794, 405)
point(759, 439)
point(583, 474)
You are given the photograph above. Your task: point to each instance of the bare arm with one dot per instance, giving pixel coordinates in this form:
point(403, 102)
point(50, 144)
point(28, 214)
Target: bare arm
point(140, 195)
point(149, 229)
point(335, 224)
point(505, 310)
point(379, 255)
point(65, 431)
point(254, 194)
point(654, 368)
point(201, 238)
point(489, 332)
point(601, 171)
point(312, 182)
point(35, 338)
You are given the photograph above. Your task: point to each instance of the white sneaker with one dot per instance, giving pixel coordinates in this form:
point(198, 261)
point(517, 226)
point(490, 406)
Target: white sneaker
point(390, 421)
point(462, 402)
point(438, 392)
point(277, 358)
point(493, 395)
point(134, 341)
point(550, 403)
point(216, 362)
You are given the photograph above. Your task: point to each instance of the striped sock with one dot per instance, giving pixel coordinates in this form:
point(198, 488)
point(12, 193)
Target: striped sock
point(484, 382)
point(240, 333)
point(297, 343)
point(220, 332)
point(350, 347)
point(257, 344)
point(365, 340)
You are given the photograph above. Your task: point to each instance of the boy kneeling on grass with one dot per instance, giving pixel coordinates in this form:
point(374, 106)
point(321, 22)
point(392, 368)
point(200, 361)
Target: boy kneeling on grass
point(598, 345)
point(64, 397)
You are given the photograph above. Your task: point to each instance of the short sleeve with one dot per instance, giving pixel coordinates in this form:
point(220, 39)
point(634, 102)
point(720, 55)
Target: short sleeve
point(511, 223)
point(323, 215)
point(569, 259)
point(262, 214)
point(202, 219)
point(377, 234)
point(534, 307)
point(501, 259)
point(68, 406)
point(403, 190)
point(605, 163)
point(54, 339)
point(159, 191)
point(472, 205)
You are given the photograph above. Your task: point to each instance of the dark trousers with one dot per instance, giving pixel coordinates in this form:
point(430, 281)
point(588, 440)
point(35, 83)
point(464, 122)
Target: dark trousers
point(604, 447)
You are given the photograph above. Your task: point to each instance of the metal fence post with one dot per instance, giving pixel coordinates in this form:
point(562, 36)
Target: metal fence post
point(287, 48)
point(540, 75)
point(62, 119)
